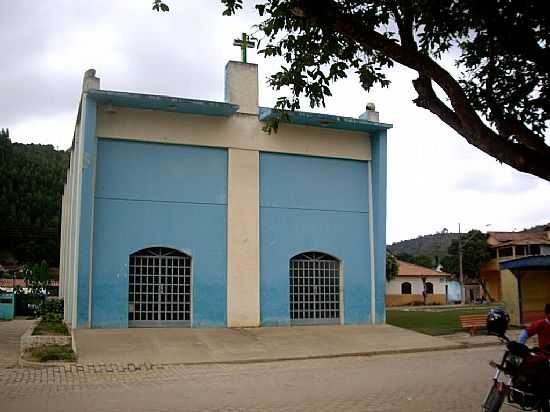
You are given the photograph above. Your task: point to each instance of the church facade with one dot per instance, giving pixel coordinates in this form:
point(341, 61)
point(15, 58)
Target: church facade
point(180, 212)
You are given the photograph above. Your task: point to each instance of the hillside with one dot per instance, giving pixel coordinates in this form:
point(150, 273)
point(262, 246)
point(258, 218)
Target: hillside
point(427, 245)
point(32, 179)
point(436, 244)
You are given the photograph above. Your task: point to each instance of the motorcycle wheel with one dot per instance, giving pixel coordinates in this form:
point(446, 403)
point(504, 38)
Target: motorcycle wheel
point(494, 400)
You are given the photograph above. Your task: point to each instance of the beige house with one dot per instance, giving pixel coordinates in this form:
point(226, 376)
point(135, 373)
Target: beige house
point(518, 273)
point(417, 285)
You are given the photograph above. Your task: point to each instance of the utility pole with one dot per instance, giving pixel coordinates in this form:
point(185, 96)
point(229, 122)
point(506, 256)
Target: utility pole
point(461, 274)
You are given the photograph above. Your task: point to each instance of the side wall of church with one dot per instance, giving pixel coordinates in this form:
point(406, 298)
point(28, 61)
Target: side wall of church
point(162, 195)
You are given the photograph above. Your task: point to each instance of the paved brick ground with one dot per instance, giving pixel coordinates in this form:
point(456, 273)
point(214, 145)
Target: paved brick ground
point(432, 381)
point(10, 331)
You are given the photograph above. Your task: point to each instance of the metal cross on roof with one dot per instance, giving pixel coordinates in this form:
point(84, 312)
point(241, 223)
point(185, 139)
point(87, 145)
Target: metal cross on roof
point(244, 43)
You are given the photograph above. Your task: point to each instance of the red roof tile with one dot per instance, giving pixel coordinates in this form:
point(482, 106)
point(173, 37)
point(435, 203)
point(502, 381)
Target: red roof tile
point(496, 239)
point(409, 269)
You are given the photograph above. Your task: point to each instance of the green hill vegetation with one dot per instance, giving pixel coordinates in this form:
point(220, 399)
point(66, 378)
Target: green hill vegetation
point(427, 250)
point(31, 185)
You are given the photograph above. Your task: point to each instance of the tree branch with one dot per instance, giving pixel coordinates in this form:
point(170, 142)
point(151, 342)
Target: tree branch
point(508, 127)
point(461, 118)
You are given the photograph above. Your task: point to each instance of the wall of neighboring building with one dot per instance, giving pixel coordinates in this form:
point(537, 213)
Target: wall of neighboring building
point(535, 289)
point(314, 204)
point(172, 196)
point(510, 295)
point(394, 297)
point(492, 283)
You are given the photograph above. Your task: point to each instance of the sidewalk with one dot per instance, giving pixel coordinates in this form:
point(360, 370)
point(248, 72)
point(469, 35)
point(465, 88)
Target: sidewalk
point(482, 339)
point(197, 346)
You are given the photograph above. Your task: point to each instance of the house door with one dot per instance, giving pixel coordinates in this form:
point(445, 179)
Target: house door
point(159, 293)
point(314, 289)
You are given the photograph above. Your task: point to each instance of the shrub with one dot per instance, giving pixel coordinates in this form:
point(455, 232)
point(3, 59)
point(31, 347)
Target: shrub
point(53, 352)
point(50, 328)
point(51, 310)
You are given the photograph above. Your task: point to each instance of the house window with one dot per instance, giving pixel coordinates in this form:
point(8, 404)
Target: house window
point(429, 288)
point(406, 288)
point(534, 249)
point(521, 250)
point(505, 251)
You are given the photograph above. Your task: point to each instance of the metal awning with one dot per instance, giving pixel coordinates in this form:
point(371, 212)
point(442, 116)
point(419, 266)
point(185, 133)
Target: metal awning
point(528, 262)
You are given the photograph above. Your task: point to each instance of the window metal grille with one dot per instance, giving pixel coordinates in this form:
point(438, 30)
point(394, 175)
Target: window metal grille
point(159, 291)
point(406, 288)
point(314, 289)
point(429, 288)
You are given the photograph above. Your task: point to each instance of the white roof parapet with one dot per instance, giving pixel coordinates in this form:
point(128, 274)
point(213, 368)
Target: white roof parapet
point(90, 81)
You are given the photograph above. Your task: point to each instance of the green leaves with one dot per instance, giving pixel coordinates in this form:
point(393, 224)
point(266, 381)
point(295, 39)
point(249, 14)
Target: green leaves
point(261, 9)
point(159, 5)
point(32, 179)
point(392, 267)
point(475, 252)
point(499, 46)
point(231, 6)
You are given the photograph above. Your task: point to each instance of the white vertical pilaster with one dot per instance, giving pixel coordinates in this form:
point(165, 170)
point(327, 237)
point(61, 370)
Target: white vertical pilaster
point(243, 238)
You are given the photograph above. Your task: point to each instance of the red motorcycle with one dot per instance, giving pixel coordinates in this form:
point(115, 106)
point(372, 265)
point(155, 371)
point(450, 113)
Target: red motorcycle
point(522, 377)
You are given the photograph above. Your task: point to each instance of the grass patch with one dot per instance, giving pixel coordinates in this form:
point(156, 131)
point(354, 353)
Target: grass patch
point(53, 353)
point(431, 322)
point(50, 328)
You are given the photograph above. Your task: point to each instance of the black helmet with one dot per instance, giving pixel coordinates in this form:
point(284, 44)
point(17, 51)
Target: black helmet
point(497, 321)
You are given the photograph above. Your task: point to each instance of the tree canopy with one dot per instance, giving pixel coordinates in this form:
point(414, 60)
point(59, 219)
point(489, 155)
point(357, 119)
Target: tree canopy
point(500, 100)
point(421, 260)
point(32, 179)
point(475, 252)
point(392, 267)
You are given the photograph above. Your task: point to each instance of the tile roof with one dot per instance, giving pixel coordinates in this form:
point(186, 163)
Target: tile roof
point(409, 269)
point(496, 239)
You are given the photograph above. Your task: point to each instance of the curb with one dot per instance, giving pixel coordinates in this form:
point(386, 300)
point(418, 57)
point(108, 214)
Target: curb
point(332, 356)
point(150, 365)
point(41, 365)
point(21, 362)
point(138, 367)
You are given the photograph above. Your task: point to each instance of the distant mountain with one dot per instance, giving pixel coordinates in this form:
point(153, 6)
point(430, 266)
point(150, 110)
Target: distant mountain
point(427, 245)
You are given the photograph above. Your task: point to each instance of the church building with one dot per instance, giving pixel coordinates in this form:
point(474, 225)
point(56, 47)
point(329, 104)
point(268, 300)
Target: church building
point(184, 213)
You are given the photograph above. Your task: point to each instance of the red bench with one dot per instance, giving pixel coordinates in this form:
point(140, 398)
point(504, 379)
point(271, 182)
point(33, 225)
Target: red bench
point(473, 322)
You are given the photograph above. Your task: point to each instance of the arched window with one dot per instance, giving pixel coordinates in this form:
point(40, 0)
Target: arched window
point(406, 288)
point(429, 288)
point(314, 280)
point(159, 287)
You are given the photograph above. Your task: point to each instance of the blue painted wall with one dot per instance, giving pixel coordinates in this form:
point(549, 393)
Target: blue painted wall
point(313, 204)
point(89, 143)
point(159, 195)
point(379, 147)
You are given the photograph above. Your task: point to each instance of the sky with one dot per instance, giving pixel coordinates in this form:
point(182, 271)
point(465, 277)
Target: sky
point(436, 180)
